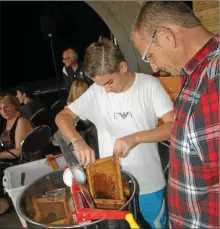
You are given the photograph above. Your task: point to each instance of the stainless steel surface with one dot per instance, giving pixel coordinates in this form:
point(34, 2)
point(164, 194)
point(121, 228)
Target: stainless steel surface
point(41, 185)
point(77, 171)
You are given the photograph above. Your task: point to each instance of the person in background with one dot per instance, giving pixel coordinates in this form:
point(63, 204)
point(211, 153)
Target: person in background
point(29, 106)
point(125, 107)
point(72, 70)
point(169, 36)
point(13, 131)
point(70, 60)
point(77, 89)
point(16, 127)
point(1, 118)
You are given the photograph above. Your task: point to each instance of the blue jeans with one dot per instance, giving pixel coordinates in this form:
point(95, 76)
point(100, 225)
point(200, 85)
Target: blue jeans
point(152, 209)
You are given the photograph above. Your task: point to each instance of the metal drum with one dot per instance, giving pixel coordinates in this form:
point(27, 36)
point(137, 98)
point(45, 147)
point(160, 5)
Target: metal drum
point(55, 178)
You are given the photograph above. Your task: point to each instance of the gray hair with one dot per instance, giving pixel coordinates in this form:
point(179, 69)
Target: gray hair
point(74, 54)
point(155, 14)
point(102, 57)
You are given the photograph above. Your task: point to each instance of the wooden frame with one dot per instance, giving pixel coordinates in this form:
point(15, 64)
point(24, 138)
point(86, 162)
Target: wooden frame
point(108, 167)
point(59, 204)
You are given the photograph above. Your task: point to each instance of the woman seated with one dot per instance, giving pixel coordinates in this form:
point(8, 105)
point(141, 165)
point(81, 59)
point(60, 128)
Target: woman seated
point(14, 129)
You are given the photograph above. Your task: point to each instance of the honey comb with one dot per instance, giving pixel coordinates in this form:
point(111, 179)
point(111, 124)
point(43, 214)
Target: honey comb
point(105, 183)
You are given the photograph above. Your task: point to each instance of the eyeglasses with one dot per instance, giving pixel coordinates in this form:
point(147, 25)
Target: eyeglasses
point(66, 58)
point(144, 58)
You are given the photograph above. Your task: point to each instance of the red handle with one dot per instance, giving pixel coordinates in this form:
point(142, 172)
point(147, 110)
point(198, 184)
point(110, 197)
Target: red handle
point(87, 214)
point(54, 157)
point(83, 214)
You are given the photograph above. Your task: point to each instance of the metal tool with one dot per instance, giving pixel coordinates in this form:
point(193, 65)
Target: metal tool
point(83, 215)
point(168, 146)
point(77, 170)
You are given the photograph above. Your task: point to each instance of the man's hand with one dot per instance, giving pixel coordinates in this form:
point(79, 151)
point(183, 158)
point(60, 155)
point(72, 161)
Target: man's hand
point(84, 153)
point(124, 145)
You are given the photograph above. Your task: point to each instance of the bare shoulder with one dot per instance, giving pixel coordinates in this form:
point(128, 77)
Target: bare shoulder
point(23, 122)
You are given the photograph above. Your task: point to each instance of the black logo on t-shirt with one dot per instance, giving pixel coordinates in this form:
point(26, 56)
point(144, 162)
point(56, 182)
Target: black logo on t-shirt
point(122, 115)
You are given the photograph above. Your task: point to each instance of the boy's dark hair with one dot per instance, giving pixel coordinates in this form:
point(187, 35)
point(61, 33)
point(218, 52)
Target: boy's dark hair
point(102, 57)
point(25, 89)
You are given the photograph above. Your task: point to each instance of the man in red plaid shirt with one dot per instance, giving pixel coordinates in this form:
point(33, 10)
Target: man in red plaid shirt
point(169, 36)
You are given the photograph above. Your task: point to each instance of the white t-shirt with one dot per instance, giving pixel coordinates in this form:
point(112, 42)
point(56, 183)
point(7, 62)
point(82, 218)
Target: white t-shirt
point(121, 114)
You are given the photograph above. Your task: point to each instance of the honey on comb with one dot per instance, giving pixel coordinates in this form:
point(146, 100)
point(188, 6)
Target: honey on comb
point(104, 185)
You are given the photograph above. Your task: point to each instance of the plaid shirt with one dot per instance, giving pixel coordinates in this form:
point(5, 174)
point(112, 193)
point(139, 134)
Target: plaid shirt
point(193, 188)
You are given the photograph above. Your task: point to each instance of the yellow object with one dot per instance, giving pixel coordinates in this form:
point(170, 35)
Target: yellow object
point(127, 191)
point(59, 222)
point(130, 219)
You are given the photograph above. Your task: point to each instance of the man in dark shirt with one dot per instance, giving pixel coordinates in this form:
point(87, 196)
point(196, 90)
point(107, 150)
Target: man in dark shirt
point(72, 70)
point(70, 60)
point(29, 106)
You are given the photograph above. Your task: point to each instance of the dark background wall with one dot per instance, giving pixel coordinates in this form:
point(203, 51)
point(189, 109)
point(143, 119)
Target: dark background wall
point(25, 55)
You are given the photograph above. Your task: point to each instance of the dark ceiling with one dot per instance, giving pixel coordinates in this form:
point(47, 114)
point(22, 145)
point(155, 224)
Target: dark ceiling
point(25, 55)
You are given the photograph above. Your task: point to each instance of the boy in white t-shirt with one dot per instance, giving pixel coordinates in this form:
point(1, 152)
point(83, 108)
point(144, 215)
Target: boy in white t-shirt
point(125, 107)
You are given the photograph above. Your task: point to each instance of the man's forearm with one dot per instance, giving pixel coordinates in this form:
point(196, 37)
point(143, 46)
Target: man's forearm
point(66, 126)
point(160, 133)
